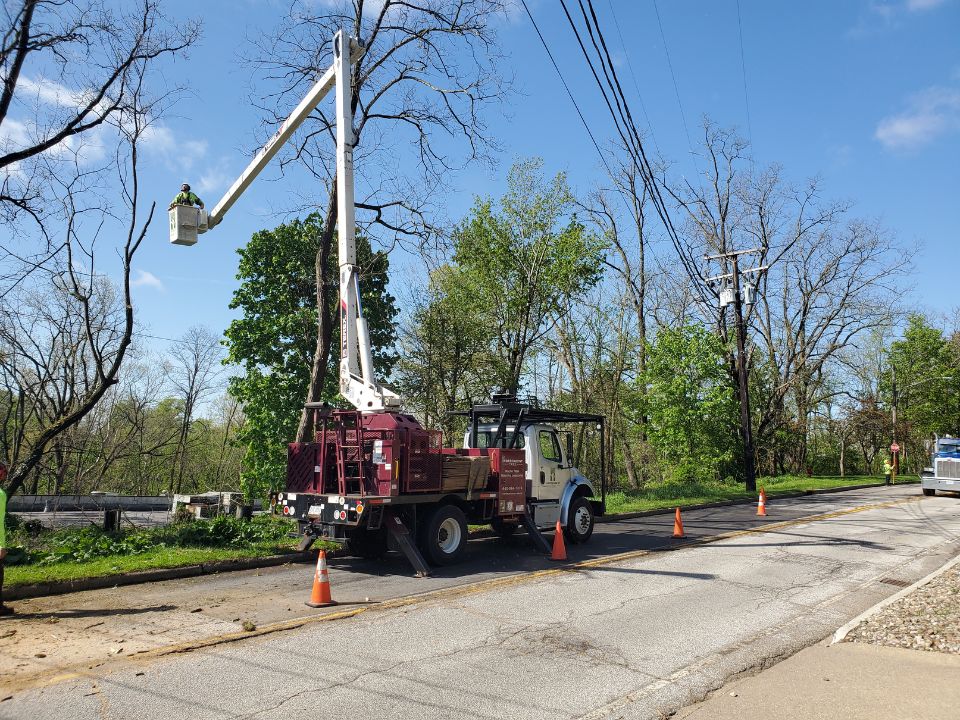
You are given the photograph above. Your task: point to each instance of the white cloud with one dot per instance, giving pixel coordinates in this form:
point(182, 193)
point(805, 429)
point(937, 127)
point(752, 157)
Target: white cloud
point(216, 178)
point(147, 279)
point(930, 114)
point(917, 5)
point(51, 92)
point(176, 153)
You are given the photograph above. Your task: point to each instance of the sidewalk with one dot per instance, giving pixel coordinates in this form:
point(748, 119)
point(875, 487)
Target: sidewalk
point(846, 680)
point(900, 660)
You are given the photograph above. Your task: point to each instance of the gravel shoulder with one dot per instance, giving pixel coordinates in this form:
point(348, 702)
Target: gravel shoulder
point(926, 619)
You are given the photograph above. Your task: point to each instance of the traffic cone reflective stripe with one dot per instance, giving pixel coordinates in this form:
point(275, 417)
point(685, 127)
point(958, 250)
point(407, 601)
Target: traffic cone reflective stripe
point(559, 548)
point(762, 504)
point(678, 525)
point(320, 597)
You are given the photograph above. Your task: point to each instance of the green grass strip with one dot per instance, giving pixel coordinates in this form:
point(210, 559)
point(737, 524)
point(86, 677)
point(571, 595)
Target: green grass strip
point(669, 495)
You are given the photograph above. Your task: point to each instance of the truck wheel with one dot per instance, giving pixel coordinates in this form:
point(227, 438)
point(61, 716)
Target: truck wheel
point(368, 544)
point(503, 529)
point(929, 491)
point(445, 535)
point(579, 520)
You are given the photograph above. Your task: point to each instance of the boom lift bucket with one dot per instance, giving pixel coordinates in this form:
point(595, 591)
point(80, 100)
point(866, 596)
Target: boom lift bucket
point(186, 222)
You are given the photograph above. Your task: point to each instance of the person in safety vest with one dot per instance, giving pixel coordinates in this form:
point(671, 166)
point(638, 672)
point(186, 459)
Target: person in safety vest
point(887, 469)
point(4, 610)
point(185, 197)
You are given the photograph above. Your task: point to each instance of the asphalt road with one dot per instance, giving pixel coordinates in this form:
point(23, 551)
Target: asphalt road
point(630, 631)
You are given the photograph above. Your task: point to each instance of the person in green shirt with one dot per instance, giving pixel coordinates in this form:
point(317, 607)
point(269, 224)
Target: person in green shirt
point(4, 610)
point(185, 197)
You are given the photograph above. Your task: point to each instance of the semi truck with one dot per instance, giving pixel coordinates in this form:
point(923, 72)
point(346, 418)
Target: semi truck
point(373, 477)
point(944, 470)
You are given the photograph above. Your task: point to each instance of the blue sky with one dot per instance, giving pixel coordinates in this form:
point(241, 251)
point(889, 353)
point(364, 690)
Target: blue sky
point(865, 94)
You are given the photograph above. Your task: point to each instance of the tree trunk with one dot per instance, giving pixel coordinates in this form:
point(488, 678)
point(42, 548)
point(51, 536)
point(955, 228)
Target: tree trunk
point(326, 314)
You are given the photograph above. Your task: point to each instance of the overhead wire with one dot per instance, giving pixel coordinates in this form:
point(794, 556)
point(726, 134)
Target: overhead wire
point(676, 86)
point(743, 72)
point(566, 87)
point(633, 76)
point(634, 144)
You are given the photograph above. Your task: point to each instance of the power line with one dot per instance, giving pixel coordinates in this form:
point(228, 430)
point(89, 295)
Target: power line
point(633, 76)
point(573, 100)
point(634, 145)
point(676, 87)
point(743, 72)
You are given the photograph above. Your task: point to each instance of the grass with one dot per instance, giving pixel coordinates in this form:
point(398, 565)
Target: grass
point(117, 564)
point(40, 555)
point(668, 495)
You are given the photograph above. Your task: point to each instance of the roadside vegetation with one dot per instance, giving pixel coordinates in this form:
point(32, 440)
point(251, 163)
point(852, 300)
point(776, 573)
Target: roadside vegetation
point(38, 554)
point(672, 494)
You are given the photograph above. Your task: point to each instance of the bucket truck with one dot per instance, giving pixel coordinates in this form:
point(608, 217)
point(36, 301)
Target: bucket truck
point(373, 477)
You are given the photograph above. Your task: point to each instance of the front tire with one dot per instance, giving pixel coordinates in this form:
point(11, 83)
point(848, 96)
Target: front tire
point(929, 491)
point(579, 520)
point(445, 535)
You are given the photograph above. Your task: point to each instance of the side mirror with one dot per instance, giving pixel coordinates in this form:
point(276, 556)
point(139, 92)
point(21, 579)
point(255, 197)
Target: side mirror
point(569, 449)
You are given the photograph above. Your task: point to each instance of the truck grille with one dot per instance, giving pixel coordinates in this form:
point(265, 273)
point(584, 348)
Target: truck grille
point(948, 468)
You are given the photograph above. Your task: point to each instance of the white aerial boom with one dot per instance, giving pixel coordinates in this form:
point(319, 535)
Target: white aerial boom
point(358, 383)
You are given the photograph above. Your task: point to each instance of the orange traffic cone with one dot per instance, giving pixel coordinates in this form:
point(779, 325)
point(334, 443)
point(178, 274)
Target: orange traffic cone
point(678, 525)
point(320, 597)
point(559, 549)
point(762, 505)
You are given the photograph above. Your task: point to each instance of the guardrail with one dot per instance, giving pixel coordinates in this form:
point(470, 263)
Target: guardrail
point(73, 503)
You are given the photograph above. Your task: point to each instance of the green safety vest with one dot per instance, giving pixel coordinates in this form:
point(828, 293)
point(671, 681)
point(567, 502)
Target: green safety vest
point(186, 198)
point(3, 518)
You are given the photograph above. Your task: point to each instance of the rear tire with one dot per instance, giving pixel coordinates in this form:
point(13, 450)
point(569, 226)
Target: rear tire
point(579, 520)
point(929, 491)
point(444, 535)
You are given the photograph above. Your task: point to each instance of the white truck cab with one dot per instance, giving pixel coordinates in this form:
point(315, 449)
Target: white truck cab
point(556, 489)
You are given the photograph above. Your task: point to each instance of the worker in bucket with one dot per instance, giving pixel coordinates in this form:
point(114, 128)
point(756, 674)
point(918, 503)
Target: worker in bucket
point(185, 197)
point(4, 610)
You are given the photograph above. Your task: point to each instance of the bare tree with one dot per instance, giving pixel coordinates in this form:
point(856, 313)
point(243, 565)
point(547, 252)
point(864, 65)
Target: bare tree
point(428, 72)
point(829, 278)
point(195, 367)
point(68, 69)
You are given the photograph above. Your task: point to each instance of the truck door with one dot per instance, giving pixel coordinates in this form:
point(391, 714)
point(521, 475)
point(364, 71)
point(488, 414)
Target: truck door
point(553, 473)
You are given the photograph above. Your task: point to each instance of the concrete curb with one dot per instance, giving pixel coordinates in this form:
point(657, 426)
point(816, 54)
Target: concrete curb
point(842, 632)
point(64, 587)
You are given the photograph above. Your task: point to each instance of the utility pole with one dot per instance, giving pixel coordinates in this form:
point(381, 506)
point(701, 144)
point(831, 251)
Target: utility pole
point(741, 295)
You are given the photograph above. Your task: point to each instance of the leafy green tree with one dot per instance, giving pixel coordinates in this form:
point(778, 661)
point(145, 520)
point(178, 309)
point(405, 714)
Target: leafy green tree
point(522, 260)
point(447, 361)
point(273, 342)
point(691, 410)
point(926, 371)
